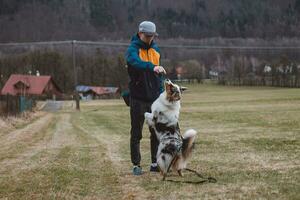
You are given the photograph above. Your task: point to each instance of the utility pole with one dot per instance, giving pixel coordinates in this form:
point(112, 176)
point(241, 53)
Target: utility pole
point(75, 75)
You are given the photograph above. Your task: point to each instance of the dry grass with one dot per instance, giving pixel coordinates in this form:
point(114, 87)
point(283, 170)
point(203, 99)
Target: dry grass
point(11, 123)
point(249, 139)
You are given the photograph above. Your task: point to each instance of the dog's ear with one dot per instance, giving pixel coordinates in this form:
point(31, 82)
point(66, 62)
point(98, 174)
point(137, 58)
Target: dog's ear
point(168, 85)
point(183, 89)
point(167, 82)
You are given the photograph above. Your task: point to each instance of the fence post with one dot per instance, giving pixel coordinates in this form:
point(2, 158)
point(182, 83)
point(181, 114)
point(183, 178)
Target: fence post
point(7, 106)
point(75, 75)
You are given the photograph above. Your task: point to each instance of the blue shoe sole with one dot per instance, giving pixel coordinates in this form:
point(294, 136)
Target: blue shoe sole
point(137, 171)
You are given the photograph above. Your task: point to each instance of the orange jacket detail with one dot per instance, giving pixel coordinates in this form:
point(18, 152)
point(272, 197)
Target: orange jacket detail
point(149, 55)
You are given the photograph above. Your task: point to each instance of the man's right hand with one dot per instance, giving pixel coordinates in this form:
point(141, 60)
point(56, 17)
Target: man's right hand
point(159, 69)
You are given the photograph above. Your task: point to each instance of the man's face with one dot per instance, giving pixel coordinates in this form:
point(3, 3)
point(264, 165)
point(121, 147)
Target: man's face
point(145, 38)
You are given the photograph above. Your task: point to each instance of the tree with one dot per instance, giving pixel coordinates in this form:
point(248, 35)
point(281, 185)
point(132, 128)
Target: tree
point(194, 70)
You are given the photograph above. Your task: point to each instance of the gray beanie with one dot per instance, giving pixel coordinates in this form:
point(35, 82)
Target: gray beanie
point(148, 28)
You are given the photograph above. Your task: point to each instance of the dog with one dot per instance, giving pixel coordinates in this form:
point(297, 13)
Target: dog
point(174, 149)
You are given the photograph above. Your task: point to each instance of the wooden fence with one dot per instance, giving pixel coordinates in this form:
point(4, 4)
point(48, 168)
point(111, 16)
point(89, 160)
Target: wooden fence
point(276, 81)
point(13, 105)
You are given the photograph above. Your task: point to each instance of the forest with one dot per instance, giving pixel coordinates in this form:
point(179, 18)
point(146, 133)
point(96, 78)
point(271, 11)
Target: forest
point(44, 20)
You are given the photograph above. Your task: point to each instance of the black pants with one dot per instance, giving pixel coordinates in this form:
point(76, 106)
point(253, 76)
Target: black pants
point(137, 110)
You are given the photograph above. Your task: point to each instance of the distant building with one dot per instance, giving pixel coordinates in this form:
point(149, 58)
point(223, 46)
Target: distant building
point(179, 72)
point(27, 85)
point(213, 74)
point(96, 92)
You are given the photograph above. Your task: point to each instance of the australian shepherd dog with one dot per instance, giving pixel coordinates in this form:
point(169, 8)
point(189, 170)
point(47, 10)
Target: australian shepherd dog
point(174, 148)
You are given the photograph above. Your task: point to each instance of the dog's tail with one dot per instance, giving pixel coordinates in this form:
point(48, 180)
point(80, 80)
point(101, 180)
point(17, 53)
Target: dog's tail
point(188, 142)
point(186, 150)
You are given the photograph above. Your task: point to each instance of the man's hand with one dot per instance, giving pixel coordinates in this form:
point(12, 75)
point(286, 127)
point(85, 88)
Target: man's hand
point(159, 69)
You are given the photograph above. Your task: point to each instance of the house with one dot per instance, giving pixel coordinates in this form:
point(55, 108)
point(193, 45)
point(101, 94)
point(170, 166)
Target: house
point(213, 74)
point(95, 92)
point(28, 85)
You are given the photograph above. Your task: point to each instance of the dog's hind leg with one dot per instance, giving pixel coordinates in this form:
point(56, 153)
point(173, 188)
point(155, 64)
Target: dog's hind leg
point(164, 176)
point(180, 172)
point(178, 165)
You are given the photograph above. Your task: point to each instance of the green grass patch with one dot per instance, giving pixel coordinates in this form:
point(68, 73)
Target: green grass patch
point(273, 144)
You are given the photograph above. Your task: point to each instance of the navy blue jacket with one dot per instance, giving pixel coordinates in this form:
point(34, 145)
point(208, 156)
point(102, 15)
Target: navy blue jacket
point(144, 84)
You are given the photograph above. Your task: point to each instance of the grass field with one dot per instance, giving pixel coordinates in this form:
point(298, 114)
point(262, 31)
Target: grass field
point(248, 139)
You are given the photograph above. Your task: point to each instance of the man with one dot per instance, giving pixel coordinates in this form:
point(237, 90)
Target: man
point(143, 61)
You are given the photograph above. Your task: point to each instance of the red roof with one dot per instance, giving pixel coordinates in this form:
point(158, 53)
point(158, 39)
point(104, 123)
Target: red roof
point(104, 90)
point(99, 90)
point(36, 84)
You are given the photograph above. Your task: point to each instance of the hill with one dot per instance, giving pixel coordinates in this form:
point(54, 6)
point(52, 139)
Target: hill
point(40, 20)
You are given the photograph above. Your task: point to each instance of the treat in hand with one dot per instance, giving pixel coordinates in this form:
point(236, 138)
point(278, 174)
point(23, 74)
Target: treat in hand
point(159, 69)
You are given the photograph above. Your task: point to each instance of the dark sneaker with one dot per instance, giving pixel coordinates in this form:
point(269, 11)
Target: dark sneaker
point(137, 170)
point(154, 168)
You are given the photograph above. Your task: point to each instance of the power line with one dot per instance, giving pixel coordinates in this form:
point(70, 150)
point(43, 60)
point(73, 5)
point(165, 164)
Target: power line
point(36, 43)
point(123, 44)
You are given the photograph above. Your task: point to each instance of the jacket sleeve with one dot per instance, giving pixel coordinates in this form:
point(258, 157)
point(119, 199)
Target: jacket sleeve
point(161, 77)
point(133, 59)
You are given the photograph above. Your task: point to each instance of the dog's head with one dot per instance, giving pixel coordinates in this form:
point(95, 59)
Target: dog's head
point(173, 91)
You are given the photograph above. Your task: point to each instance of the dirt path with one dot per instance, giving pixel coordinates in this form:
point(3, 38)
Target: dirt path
point(129, 183)
point(39, 143)
point(61, 136)
point(25, 134)
point(51, 133)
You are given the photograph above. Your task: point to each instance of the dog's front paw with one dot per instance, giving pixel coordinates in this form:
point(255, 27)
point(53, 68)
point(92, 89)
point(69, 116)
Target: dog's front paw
point(149, 118)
